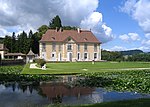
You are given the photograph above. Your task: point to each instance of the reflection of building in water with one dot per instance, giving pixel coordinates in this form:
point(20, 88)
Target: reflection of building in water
point(69, 78)
point(55, 92)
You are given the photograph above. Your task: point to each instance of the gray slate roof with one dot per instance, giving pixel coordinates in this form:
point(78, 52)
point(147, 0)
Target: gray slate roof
point(30, 53)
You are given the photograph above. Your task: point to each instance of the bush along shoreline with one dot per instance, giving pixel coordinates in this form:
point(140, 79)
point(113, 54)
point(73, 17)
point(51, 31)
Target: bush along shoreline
point(13, 74)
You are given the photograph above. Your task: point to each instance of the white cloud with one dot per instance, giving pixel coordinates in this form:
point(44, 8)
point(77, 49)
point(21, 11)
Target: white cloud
point(134, 36)
point(130, 37)
point(139, 10)
point(91, 21)
point(146, 42)
point(118, 48)
point(98, 27)
point(145, 48)
point(4, 32)
point(124, 37)
point(145, 45)
point(24, 15)
point(147, 35)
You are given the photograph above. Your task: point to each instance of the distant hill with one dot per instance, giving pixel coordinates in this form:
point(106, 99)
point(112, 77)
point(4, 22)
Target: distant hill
point(131, 52)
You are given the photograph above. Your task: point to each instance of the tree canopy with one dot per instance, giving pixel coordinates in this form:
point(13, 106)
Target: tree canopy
point(55, 22)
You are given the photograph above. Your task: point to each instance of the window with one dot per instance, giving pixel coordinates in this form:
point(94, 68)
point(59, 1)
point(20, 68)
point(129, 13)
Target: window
point(95, 55)
point(95, 47)
point(78, 47)
point(78, 56)
point(43, 47)
point(53, 47)
point(53, 55)
point(85, 55)
point(59, 47)
point(85, 47)
point(69, 48)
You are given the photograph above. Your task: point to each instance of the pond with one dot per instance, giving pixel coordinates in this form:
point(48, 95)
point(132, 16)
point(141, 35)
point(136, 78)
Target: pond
point(31, 95)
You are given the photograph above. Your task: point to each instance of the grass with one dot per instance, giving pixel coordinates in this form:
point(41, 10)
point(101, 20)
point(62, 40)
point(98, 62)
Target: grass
point(82, 67)
point(126, 103)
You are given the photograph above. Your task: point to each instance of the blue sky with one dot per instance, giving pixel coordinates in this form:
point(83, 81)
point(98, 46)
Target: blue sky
point(119, 24)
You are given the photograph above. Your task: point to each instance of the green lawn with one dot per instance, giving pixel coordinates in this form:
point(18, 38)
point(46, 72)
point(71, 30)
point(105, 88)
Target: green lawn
point(127, 103)
point(82, 67)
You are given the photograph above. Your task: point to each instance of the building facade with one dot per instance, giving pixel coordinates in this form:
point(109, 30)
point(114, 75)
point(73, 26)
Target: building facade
point(70, 45)
point(3, 50)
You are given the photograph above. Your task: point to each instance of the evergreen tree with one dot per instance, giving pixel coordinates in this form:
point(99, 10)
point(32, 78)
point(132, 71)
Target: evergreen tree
point(35, 43)
point(13, 43)
point(55, 22)
point(30, 34)
point(24, 45)
point(7, 42)
point(30, 39)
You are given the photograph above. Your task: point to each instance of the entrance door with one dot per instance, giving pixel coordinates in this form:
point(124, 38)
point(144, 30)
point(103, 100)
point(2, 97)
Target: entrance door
point(70, 56)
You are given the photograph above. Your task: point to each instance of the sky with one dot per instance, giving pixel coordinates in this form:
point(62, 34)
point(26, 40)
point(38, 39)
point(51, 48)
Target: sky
point(118, 24)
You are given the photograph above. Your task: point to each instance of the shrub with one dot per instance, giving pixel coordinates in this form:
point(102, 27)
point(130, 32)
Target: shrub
point(40, 62)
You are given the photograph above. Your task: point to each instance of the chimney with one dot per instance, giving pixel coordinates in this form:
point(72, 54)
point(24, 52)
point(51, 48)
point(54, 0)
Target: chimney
point(79, 30)
point(61, 29)
point(56, 29)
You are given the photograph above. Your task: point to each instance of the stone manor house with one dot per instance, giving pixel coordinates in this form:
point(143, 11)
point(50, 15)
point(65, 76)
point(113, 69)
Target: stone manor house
point(69, 45)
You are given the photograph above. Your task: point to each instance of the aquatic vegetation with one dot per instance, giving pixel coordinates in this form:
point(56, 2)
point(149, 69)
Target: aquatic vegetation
point(136, 81)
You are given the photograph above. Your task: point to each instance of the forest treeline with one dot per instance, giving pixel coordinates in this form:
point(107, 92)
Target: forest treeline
point(23, 42)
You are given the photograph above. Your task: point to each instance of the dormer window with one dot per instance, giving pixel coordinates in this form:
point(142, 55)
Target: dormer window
point(85, 39)
point(53, 38)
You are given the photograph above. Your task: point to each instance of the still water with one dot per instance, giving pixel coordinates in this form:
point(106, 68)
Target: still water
point(31, 95)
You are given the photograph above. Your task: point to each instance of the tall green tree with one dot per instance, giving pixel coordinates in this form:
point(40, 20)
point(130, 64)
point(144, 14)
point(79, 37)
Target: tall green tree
point(69, 28)
point(41, 30)
point(7, 42)
point(35, 42)
point(13, 43)
point(30, 39)
point(55, 22)
point(23, 42)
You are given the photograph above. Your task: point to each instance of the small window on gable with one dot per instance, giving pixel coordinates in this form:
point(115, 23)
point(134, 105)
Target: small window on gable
point(69, 39)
